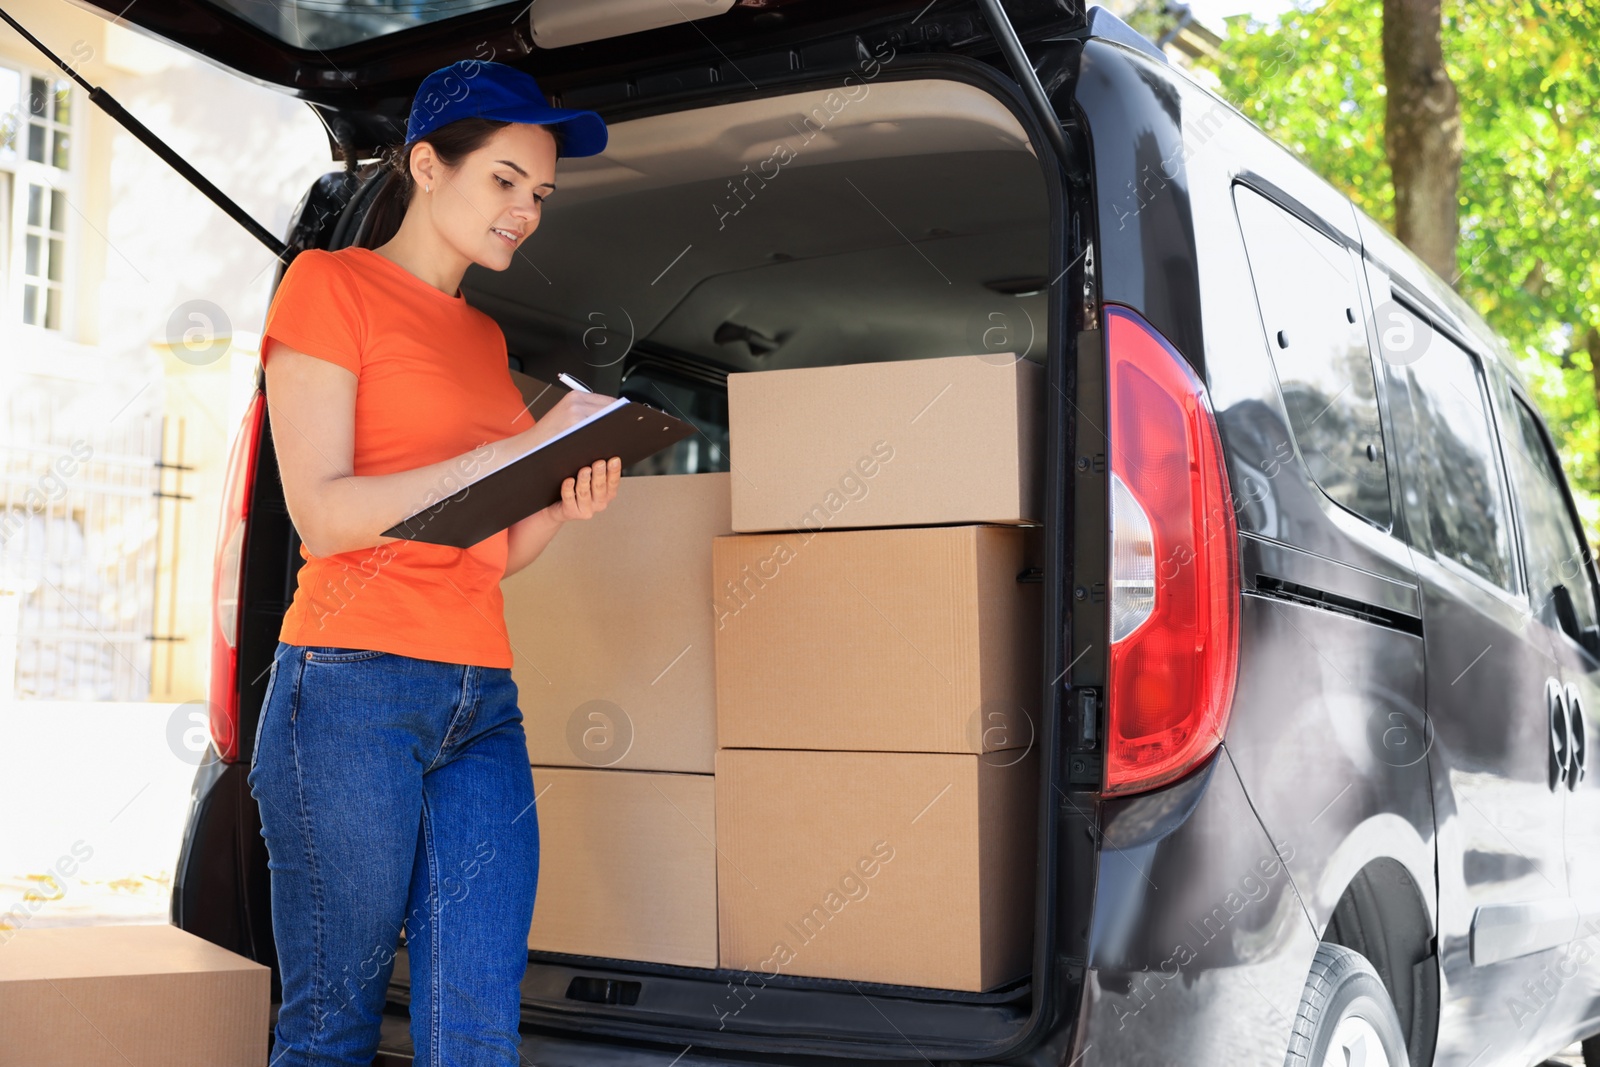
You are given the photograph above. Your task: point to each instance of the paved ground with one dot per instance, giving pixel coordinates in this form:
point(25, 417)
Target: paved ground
point(38, 899)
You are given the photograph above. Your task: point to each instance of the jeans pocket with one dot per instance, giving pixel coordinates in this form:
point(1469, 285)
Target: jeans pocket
point(335, 654)
point(261, 716)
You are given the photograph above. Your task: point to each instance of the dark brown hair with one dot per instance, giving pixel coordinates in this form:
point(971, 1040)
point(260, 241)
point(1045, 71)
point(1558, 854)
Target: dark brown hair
point(452, 143)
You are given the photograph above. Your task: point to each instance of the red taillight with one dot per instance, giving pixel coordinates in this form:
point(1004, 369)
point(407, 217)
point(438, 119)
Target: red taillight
point(1175, 568)
point(226, 575)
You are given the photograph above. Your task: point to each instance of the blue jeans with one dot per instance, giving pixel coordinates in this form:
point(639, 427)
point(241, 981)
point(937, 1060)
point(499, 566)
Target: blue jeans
point(395, 792)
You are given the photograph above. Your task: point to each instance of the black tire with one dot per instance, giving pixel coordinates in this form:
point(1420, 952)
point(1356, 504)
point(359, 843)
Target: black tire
point(1344, 990)
point(1591, 1052)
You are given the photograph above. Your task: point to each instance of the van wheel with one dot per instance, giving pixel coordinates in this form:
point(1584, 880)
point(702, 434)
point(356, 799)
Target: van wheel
point(1591, 1052)
point(1345, 1015)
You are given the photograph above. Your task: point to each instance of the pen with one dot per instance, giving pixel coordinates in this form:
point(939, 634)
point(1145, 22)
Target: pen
point(572, 383)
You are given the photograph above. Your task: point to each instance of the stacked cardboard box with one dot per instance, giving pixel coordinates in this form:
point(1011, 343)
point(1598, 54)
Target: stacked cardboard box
point(628, 865)
point(876, 779)
point(613, 664)
point(957, 439)
point(611, 637)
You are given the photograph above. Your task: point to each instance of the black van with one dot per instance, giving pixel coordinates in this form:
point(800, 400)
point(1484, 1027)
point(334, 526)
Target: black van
point(1321, 625)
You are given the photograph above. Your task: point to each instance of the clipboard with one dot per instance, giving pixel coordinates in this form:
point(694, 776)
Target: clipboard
point(491, 503)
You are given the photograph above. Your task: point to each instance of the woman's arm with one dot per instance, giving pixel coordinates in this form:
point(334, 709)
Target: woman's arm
point(582, 497)
point(311, 410)
point(529, 538)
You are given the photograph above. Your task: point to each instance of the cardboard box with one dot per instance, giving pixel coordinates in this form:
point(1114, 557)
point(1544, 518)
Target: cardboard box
point(84, 996)
point(958, 439)
point(906, 868)
point(627, 865)
point(611, 634)
point(907, 640)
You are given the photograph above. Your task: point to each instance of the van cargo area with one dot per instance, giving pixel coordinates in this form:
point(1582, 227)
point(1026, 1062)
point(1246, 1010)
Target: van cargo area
point(901, 214)
point(876, 221)
point(848, 277)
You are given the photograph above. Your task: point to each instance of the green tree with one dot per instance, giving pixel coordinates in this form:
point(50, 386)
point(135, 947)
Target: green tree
point(1422, 129)
point(1529, 195)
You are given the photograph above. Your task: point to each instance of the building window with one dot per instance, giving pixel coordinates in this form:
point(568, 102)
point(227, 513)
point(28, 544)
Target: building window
point(44, 256)
point(36, 170)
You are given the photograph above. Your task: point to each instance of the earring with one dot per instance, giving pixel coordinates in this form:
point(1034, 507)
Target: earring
point(427, 188)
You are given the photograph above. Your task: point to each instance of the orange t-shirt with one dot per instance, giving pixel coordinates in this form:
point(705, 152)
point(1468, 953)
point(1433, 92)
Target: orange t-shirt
point(433, 382)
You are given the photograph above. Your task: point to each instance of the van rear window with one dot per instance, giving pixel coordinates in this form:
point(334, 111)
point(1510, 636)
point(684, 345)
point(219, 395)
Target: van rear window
point(326, 24)
point(1309, 295)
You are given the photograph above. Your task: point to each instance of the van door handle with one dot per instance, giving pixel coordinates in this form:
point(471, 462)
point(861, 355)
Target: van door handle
point(1556, 713)
point(1577, 740)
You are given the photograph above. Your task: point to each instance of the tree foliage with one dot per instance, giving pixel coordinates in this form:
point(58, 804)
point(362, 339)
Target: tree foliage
point(1529, 253)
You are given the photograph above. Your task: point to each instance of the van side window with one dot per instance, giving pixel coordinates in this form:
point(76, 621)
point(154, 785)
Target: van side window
point(1309, 294)
point(1556, 550)
point(1467, 511)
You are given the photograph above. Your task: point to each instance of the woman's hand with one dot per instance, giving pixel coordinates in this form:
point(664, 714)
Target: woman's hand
point(589, 491)
point(570, 410)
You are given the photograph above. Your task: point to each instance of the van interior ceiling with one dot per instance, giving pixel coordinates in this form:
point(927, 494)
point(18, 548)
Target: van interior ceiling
point(910, 221)
point(887, 220)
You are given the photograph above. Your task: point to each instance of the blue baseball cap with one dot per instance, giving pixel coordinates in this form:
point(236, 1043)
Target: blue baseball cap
point(472, 88)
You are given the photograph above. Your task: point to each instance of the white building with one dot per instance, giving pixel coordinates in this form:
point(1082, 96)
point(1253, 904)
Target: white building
point(129, 311)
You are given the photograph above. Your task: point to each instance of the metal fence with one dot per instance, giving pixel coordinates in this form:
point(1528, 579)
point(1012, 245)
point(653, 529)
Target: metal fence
point(80, 530)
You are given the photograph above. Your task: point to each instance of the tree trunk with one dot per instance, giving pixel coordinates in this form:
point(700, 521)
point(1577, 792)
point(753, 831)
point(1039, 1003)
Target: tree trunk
point(1591, 341)
point(1422, 133)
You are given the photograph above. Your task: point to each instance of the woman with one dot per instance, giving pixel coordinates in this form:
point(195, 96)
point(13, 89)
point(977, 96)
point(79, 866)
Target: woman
point(390, 764)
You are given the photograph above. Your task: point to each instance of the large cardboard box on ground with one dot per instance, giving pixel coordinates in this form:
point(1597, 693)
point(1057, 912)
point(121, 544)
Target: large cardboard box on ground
point(907, 868)
point(918, 639)
point(611, 632)
point(86, 996)
point(956, 439)
point(627, 865)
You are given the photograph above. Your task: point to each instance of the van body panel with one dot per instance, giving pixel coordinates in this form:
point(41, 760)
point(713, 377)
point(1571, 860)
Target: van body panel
point(1322, 776)
point(219, 888)
point(1201, 942)
point(1297, 545)
point(1165, 200)
point(1573, 1013)
point(1145, 253)
point(1344, 600)
point(1502, 854)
